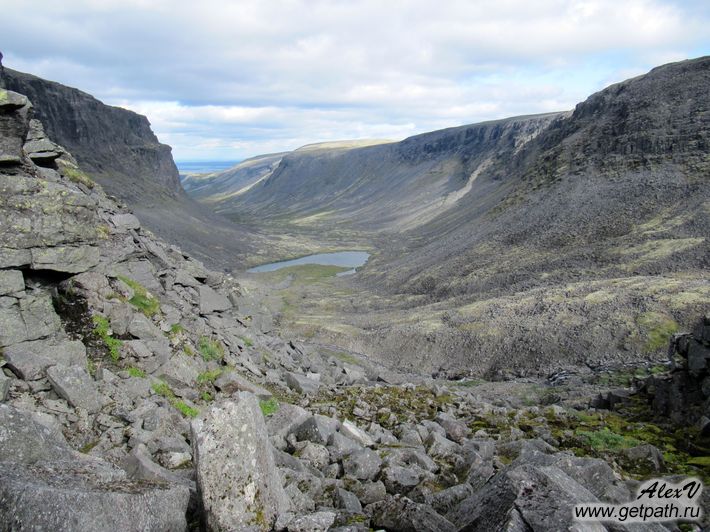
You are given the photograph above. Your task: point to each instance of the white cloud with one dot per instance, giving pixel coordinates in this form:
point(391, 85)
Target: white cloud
point(222, 78)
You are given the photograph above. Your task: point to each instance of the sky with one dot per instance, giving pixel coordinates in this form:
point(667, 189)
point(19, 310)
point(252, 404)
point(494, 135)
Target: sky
point(226, 80)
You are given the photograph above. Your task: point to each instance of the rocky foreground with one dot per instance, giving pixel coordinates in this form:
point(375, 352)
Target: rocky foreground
point(140, 391)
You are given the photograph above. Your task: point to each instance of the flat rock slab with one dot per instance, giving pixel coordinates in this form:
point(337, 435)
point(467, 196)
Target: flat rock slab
point(237, 479)
point(11, 281)
point(23, 440)
point(29, 360)
point(76, 386)
point(67, 497)
point(212, 301)
point(401, 513)
point(301, 383)
point(231, 382)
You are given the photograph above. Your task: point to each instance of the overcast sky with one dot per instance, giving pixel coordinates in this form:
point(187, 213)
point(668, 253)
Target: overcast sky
point(225, 80)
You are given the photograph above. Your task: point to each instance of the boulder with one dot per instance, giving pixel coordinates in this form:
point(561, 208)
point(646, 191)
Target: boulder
point(142, 327)
point(301, 383)
point(24, 440)
point(236, 476)
point(76, 386)
point(317, 429)
point(317, 522)
point(11, 281)
point(352, 431)
point(363, 465)
point(15, 112)
point(231, 382)
point(212, 301)
point(124, 222)
point(400, 514)
point(29, 360)
point(51, 497)
point(4, 385)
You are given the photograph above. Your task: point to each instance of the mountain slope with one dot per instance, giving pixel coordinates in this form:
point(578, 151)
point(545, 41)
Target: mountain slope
point(384, 186)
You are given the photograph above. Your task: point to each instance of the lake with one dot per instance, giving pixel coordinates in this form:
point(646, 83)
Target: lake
point(346, 259)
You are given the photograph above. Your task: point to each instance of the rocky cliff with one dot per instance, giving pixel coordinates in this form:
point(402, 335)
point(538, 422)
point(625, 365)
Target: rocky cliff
point(118, 149)
point(114, 145)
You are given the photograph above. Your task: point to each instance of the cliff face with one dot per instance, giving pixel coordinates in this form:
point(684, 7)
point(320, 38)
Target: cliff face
point(117, 148)
point(395, 185)
point(114, 145)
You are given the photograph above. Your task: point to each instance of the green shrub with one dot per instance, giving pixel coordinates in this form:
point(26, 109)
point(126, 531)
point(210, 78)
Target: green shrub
point(136, 372)
point(606, 440)
point(209, 376)
point(176, 329)
point(142, 299)
point(76, 175)
point(162, 388)
point(210, 349)
point(184, 409)
point(269, 407)
point(206, 397)
point(102, 329)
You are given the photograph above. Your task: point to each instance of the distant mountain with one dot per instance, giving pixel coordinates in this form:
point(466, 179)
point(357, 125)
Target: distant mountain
point(393, 185)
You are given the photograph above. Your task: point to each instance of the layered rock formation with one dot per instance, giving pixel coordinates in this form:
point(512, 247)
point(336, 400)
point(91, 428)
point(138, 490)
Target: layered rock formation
point(118, 149)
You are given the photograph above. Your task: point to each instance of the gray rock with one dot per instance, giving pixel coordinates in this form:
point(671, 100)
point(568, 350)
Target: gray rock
point(11, 281)
point(124, 222)
point(441, 447)
point(284, 421)
point(317, 522)
point(314, 454)
point(316, 429)
point(369, 492)
point(231, 382)
point(400, 514)
point(340, 446)
point(180, 370)
point(352, 431)
point(24, 440)
point(347, 501)
point(300, 502)
point(301, 383)
point(12, 326)
point(142, 327)
point(455, 430)
point(140, 466)
point(76, 386)
point(29, 360)
point(233, 464)
point(51, 497)
point(446, 500)
point(212, 301)
point(15, 112)
point(647, 456)
point(544, 496)
point(38, 147)
point(363, 465)
point(5, 383)
point(70, 259)
point(400, 479)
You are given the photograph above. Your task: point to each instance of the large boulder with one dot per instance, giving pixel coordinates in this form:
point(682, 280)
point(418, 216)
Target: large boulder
point(29, 360)
point(15, 112)
point(45, 485)
point(400, 514)
point(237, 479)
point(47, 497)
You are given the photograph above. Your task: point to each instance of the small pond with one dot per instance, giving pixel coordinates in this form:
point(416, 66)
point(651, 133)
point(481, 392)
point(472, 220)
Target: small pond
point(346, 259)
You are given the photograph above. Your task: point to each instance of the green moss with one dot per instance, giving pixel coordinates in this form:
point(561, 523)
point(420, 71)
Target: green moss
point(210, 349)
point(209, 376)
point(248, 342)
point(658, 329)
point(91, 367)
point(136, 372)
point(76, 175)
point(206, 397)
point(184, 409)
point(269, 407)
point(606, 440)
point(4, 98)
point(162, 388)
point(142, 299)
point(86, 449)
point(176, 329)
point(102, 329)
point(188, 351)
